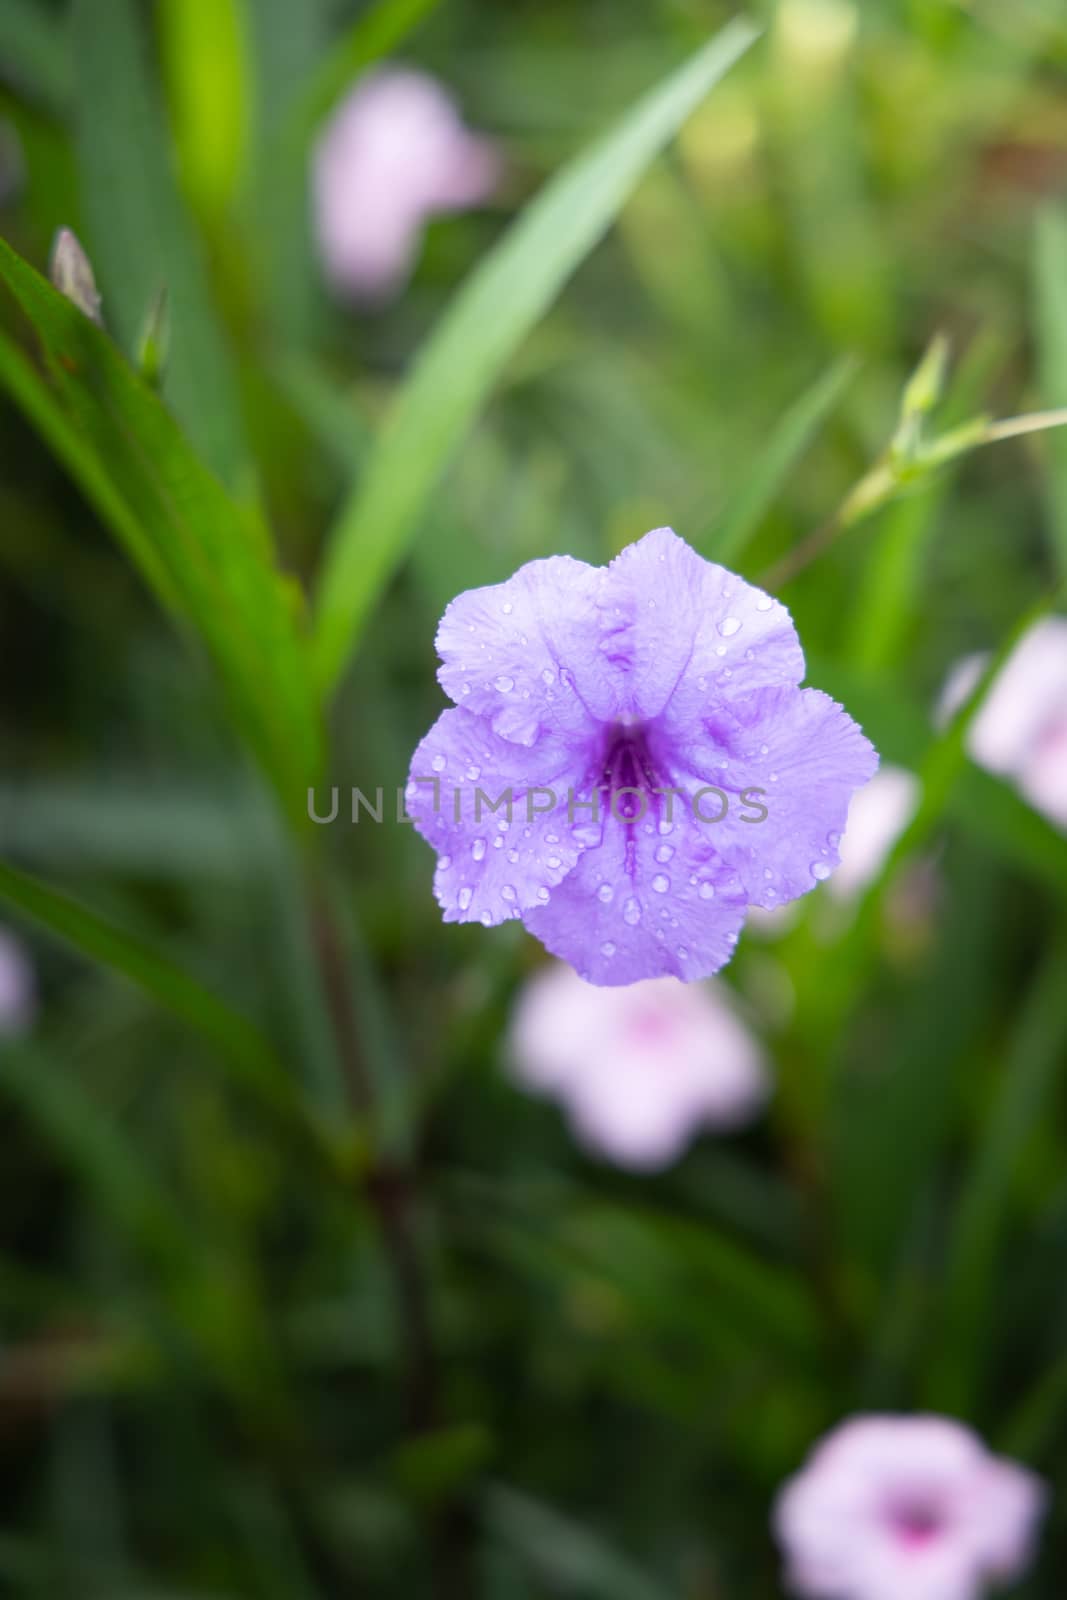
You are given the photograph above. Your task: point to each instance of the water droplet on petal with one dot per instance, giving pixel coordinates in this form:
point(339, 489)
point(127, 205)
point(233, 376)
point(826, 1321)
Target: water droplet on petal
point(605, 894)
point(552, 838)
point(498, 843)
point(486, 919)
point(729, 626)
point(507, 892)
point(548, 677)
point(631, 913)
point(474, 773)
point(661, 883)
point(465, 898)
point(720, 649)
point(478, 849)
point(683, 953)
point(607, 948)
point(706, 891)
point(820, 870)
point(444, 862)
point(513, 856)
point(764, 749)
point(768, 874)
point(666, 827)
point(438, 763)
point(664, 853)
point(833, 840)
point(552, 863)
point(504, 684)
point(508, 608)
point(543, 896)
point(764, 603)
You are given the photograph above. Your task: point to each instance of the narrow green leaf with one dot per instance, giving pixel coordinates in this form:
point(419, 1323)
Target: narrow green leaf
point(190, 540)
point(100, 941)
point(376, 32)
point(1050, 293)
point(1028, 1079)
point(499, 304)
point(790, 438)
point(138, 234)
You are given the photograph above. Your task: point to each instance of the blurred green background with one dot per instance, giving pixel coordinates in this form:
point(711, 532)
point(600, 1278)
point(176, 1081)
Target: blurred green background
point(299, 1297)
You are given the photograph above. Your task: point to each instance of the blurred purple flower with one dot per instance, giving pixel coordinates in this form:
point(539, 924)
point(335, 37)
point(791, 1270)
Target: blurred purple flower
point(889, 1507)
point(639, 1070)
point(652, 683)
point(877, 817)
point(393, 155)
point(17, 989)
point(1020, 731)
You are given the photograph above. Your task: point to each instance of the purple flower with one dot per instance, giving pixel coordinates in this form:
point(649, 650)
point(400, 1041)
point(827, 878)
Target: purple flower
point(641, 1069)
point(889, 1507)
point(664, 769)
point(1020, 730)
point(393, 155)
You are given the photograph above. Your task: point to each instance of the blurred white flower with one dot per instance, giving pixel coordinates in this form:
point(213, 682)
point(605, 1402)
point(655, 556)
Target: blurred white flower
point(640, 1068)
point(1020, 731)
point(906, 1508)
point(394, 154)
point(17, 988)
point(877, 816)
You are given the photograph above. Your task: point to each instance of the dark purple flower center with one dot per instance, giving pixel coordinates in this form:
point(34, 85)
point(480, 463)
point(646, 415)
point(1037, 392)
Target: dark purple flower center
point(917, 1522)
point(628, 765)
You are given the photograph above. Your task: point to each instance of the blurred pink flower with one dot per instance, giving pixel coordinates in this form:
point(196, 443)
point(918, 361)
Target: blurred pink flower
point(1020, 731)
point(877, 816)
point(394, 154)
point(17, 989)
point(638, 1068)
point(906, 1508)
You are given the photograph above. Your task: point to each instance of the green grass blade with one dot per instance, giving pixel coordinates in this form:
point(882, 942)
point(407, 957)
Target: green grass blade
point(188, 537)
point(139, 235)
point(103, 943)
point(40, 408)
point(1028, 1081)
point(1050, 294)
point(499, 304)
point(790, 438)
point(375, 33)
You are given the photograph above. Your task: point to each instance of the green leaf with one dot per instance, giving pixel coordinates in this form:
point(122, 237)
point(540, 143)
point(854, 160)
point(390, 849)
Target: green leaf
point(789, 440)
point(1029, 1074)
point(376, 32)
point(1050, 294)
point(496, 308)
point(92, 936)
point(190, 540)
point(139, 235)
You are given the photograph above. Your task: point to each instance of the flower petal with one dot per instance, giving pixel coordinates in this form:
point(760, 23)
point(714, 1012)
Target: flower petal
point(526, 654)
point(644, 904)
point(699, 632)
point(493, 864)
point(797, 756)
